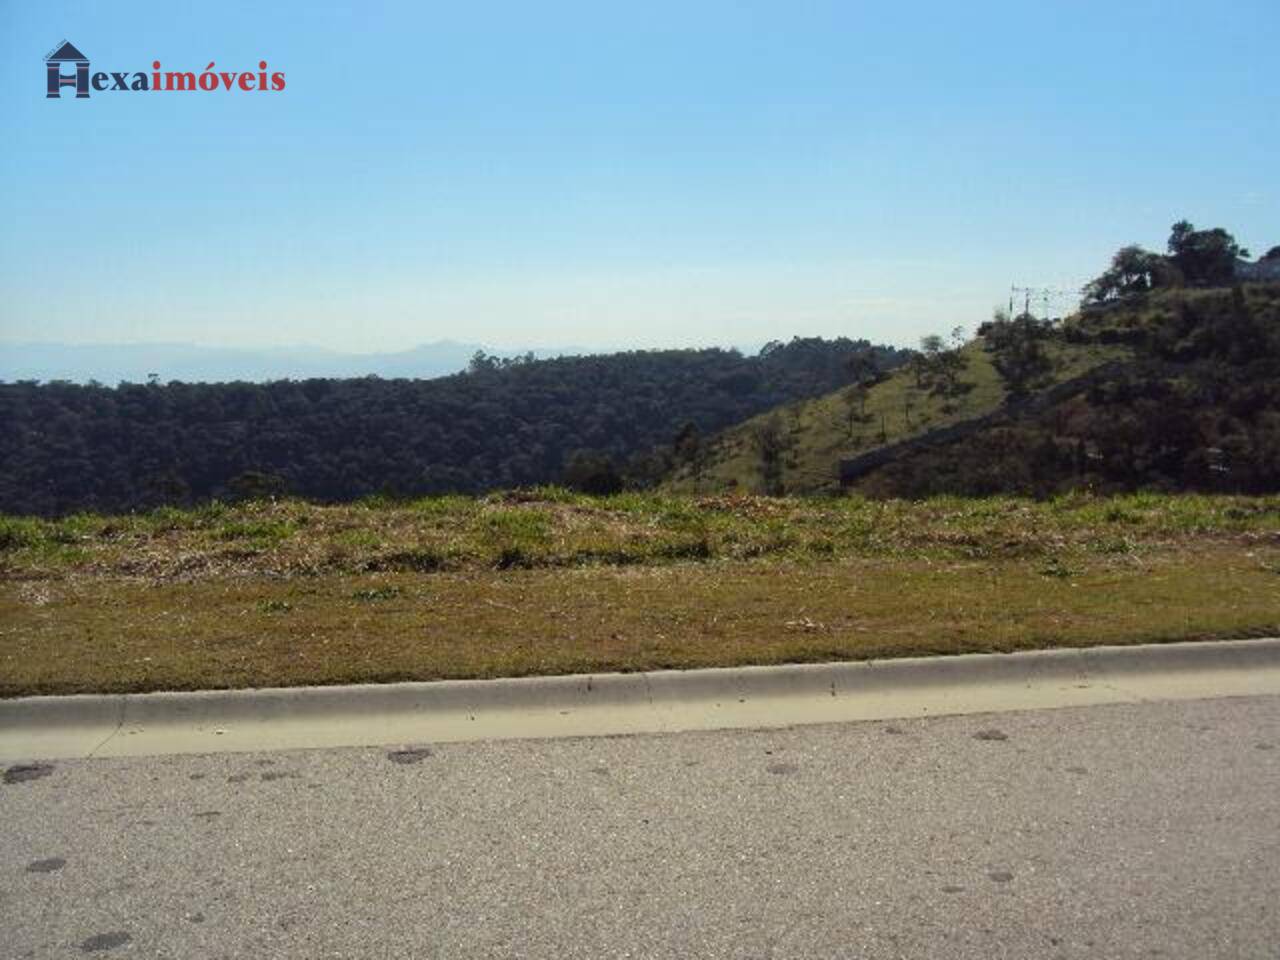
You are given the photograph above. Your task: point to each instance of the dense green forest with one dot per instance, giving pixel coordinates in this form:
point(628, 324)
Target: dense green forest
point(598, 421)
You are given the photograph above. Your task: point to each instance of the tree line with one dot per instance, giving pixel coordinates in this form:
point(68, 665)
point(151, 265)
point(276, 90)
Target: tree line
point(1194, 258)
point(599, 422)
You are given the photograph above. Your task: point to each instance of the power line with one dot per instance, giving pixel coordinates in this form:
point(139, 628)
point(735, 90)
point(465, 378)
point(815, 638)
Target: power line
point(1046, 297)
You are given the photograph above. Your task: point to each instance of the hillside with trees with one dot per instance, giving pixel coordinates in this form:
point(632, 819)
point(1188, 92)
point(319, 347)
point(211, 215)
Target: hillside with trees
point(1167, 378)
point(596, 422)
point(1196, 408)
point(796, 448)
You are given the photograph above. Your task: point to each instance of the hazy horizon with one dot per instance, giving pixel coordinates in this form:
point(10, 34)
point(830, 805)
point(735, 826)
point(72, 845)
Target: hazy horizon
point(111, 363)
point(663, 176)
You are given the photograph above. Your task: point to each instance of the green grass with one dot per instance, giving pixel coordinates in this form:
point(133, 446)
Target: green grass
point(821, 431)
point(547, 581)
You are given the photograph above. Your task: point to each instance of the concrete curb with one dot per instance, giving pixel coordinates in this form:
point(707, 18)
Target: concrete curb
point(611, 704)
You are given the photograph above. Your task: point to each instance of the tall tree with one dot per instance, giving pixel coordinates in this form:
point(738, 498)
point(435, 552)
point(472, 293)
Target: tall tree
point(941, 368)
point(1133, 270)
point(1017, 352)
point(771, 442)
point(691, 450)
point(1205, 258)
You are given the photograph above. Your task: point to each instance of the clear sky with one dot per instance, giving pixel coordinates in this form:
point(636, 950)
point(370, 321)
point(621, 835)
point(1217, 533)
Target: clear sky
point(614, 174)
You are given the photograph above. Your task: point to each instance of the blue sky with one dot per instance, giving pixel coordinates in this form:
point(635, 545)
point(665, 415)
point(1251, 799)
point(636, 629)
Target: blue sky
point(608, 175)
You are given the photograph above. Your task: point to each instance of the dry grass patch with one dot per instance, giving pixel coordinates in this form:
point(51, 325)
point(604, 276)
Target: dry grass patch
point(81, 632)
point(555, 529)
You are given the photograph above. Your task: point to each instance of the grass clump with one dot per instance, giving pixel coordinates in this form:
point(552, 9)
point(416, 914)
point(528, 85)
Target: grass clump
point(265, 530)
point(377, 594)
point(20, 533)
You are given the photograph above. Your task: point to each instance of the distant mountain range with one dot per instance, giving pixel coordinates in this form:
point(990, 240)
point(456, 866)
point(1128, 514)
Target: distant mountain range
point(190, 363)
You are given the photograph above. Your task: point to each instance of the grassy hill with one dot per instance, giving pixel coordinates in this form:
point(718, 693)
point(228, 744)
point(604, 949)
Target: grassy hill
point(821, 431)
point(1197, 408)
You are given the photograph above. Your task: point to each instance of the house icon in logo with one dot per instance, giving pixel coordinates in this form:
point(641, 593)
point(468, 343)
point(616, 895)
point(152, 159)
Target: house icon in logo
point(66, 53)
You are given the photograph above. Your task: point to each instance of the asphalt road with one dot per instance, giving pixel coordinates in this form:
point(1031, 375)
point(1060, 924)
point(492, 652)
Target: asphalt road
point(1146, 830)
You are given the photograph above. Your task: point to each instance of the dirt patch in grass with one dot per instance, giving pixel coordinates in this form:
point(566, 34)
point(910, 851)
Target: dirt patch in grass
point(83, 630)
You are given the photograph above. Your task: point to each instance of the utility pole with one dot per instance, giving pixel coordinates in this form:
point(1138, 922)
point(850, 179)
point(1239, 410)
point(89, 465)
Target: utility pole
point(1046, 296)
point(1026, 296)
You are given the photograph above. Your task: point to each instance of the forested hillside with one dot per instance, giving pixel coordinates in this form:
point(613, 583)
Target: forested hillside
point(65, 447)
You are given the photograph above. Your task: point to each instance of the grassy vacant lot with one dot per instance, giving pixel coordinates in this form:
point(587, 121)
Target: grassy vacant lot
point(547, 582)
